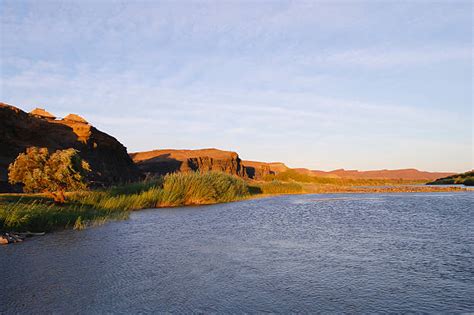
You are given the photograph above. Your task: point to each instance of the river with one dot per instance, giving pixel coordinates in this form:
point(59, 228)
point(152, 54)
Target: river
point(302, 253)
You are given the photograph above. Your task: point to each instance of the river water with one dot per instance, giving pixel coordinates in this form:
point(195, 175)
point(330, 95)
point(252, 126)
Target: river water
point(301, 253)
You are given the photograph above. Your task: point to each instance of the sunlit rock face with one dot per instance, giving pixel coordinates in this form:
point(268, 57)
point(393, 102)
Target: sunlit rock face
point(160, 162)
point(108, 158)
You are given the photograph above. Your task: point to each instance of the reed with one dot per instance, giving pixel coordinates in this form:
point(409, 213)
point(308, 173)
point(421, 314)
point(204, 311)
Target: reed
point(277, 187)
point(86, 208)
point(194, 189)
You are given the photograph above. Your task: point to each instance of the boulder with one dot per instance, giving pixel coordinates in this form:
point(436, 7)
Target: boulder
point(75, 118)
point(42, 113)
point(3, 240)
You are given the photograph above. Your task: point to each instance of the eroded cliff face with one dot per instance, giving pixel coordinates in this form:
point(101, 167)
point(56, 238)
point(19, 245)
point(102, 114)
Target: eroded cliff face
point(19, 130)
point(161, 162)
point(258, 170)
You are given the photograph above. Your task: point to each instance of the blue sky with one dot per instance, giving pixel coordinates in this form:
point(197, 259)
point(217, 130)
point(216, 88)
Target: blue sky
point(323, 85)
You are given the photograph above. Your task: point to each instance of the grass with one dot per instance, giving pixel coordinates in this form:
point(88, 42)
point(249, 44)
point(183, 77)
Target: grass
point(292, 175)
point(208, 188)
point(277, 187)
point(37, 213)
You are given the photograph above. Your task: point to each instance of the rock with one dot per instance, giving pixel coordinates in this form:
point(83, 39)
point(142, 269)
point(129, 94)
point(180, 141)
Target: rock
point(160, 162)
point(41, 113)
point(75, 118)
point(258, 170)
point(14, 237)
point(107, 157)
point(3, 240)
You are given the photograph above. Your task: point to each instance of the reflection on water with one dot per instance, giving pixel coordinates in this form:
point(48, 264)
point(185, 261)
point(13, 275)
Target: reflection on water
point(328, 253)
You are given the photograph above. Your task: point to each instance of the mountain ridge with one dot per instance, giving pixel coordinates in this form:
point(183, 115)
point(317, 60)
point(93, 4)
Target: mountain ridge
point(112, 163)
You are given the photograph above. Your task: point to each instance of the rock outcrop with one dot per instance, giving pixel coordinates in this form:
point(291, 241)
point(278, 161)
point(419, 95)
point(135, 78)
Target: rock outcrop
point(258, 170)
point(160, 162)
point(107, 157)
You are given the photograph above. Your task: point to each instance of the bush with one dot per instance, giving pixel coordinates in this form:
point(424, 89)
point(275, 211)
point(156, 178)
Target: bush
point(38, 171)
point(469, 181)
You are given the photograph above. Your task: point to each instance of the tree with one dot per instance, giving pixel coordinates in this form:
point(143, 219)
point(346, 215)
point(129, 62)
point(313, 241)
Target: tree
point(39, 171)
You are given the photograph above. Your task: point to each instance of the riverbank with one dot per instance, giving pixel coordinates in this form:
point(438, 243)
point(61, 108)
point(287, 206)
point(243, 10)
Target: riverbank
point(38, 213)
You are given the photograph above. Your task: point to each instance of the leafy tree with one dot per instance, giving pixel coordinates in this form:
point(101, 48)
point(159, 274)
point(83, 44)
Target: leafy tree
point(39, 171)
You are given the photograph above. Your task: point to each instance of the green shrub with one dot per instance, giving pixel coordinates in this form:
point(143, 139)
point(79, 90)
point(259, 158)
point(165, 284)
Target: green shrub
point(469, 181)
point(39, 171)
point(455, 179)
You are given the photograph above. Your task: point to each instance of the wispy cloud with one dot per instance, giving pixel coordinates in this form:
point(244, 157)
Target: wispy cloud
point(263, 78)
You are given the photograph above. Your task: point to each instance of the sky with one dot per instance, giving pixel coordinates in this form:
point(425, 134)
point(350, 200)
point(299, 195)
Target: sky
point(322, 85)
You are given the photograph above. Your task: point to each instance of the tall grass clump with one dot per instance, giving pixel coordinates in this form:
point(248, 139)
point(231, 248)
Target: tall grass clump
point(277, 187)
point(173, 190)
point(195, 188)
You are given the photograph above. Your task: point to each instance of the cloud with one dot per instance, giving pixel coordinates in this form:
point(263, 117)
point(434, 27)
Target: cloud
point(258, 76)
point(379, 58)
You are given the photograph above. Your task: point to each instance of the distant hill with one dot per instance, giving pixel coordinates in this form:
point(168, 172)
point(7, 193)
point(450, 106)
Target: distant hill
point(407, 174)
point(466, 178)
point(160, 162)
point(19, 130)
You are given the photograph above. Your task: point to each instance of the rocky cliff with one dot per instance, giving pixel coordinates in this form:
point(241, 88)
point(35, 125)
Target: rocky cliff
point(160, 162)
point(258, 170)
point(108, 158)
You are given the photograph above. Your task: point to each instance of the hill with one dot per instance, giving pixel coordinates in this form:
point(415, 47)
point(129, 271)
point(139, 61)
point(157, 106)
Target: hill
point(407, 174)
point(466, 178)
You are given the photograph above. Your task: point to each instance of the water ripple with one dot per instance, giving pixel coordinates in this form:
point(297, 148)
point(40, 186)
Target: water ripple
point(290, 254)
